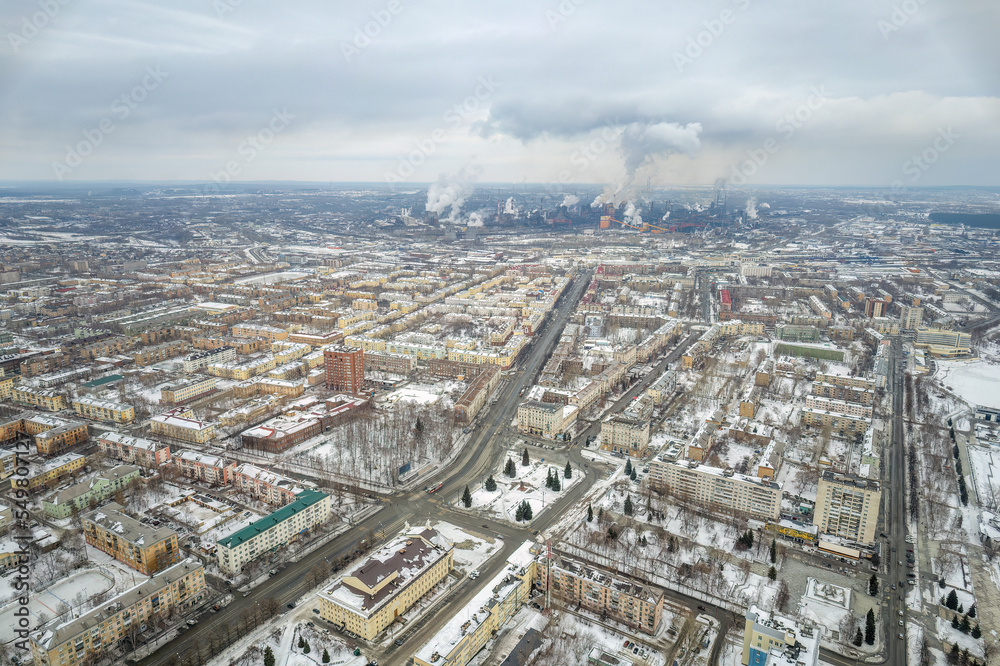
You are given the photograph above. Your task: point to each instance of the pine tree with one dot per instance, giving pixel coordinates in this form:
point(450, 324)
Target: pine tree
point(510, 470)
point(491, 484)
point(876, 560)
point(965, 626)
point(525, 460)
point(961, 608)
point(774, 552)
point(628, 506)
point(467, 498)
point(977, 632)
point(600, 513)
point(268, 656)
point(612, 534)
point(556, 485)
point(528, 513)
point(628, 467)
point(952, 602)
point(954, 654)
point(873, 585)
point(519, 512)
point(590, 514)
point(749, 539)
point(859, 638)
point(302, 642)
point(326, 655)
point(548, 479)
point(306, 649)
point(772, 573)
point(568, 472)
point(870, 627)
point(954, 622)
point(633, 474)
point(418, 427)
point(972, 611)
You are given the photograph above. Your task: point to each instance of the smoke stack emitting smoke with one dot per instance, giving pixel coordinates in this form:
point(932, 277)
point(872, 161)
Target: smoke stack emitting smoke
point(451, 191)
point(570, 200)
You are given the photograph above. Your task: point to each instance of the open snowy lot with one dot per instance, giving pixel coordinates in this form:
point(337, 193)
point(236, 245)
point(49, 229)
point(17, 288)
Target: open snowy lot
point(47, 604)
point(976, 382)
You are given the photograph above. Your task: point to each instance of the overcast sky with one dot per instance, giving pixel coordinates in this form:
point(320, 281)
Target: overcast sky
point(680, 93)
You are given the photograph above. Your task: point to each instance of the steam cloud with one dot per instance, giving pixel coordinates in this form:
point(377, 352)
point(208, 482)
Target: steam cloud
point(451, 192)
point(751, 209)
point(642, 142)
point(570, 200)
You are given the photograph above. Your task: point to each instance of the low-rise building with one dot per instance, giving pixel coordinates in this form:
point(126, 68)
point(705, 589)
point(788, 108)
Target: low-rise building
point(80, 496)
point(134, 450)
point(546, 419)
point(942, 343)
point(770, 640)
point(207, 468)
point(103, 410)
point(370, 597)
point(264, 484)
point(57, 439)
point(52, 472)
point(181, 426)
point(178, 394)
point(45, 399)
point(97, 632)
point(146, 549)
point(310, 509)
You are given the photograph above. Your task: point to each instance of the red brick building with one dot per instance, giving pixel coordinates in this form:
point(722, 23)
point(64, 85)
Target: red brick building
point(345, 369)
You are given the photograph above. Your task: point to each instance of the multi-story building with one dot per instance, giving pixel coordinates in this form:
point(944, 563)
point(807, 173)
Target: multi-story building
point(864, 396)
point(345, 369)
point(822, 403)
point(264, 485)
point(209, 469)
point(97, 632)
point(371, 596)
point(836, 421)
point(179, 425)
point(312, 508)
point(269, 333)
point(52, 472)
point(146, 549)
point(941, 343)
point(847, 506)
point(910, 317)
point(545, 418)
point(624, 434)
point(103, 410)
point(485, 615)
point(41, 398)
point(178, 394)
point(718, 488)
point(134, 450)
point(160, 352)
point(56, 439)
point(202, 359)
point(604, 593)
point(80, 496)
point(770, 640)
point(396, 364)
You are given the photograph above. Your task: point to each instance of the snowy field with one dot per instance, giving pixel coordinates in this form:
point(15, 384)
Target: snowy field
point(471, 549)
point(975, 382)
point(45, 605)
point(985, 463)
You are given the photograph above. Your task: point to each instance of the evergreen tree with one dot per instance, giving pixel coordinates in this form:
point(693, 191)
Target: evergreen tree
point(326, 655)
point(525, 460)
point(873, 585)
point(772, 573)
point(965, 626)
point(952, 602)
point(774, 552)
point(954, 622)
point(568, 472)
point(556, 485)
point(467, 498)
point(600, 513)
point(954, 654)
point(876, 560)
point(519, 512)
point(548, 479)
point(633, 474)
point(628, 467)
point(628, 506)
point(510, 470)
point(870, 627)
point(491, 484)
point(977, 632)
point(418, 427)
point(612, 534)
point(749, 539)
point(972, 611)
point(527, 510)
point(268, 656)
point(961, 608)
point(306, 649)
point(858, 638)
point(590, 514)
point(302, 642)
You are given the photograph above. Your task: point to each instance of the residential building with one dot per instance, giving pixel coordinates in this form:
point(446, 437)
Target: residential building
point(837, 421)
point(771, 640)
point(485, 615)
point(721, 489)
point(202, 359)
point(103, 410)
point(546, 419)
point(97, 632)
point(178, 425)
point(57, 439)
point(603, 593)
point(910, 317)
point(396, 364)
point(209, 469)
point(134, 450)
point(52, 472)
point(345, 369)
point(269, 333)
point(822, 403)
point(160, 352)
point(178, 394)
point(312, 508)
point(368, 598)
point(847, 506)
point(146, 549)
point(624, 434)
point(41, 398)
point(264, 485)
point(80, 496)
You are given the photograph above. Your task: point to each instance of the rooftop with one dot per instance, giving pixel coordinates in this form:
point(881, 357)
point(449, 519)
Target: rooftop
point(305, 499)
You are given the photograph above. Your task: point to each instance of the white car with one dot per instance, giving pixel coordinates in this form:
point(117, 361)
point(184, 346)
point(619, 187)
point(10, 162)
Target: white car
point(474, 574)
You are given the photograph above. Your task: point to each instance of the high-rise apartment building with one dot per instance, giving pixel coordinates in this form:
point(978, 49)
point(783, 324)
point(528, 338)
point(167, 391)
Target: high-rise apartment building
point(847, 506)
point(345, 369)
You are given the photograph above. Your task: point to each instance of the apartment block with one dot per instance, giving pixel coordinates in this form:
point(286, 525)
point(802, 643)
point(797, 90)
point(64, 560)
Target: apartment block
point(847, 506)
point(545, 418)
point(178, 425)
point(269, 333)
point(178, 394)
point(624, 434)
point(345, 369)
point(396, 364)
point(371, 596)
point(910, 317)
point(134, 450)
point(202, 359)
point(97, 632)
point(819, 418)
point(603, 593)
point(80, 496)
point(45, 399)
point(52, 472)
point(209, 469)
point(770, 640)
point(721, 489)
point(103, 410)
point(264, 485)
point(160, 352)
point(943, 343)
point(864, 396)
point(63, 436)
point(146, 549)
point(856, 409)
point(312, 508)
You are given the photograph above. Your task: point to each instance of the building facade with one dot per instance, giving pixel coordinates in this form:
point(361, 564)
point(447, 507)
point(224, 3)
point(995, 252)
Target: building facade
point(134, 450)
point(847, 506)
point(145, 549)
point(718, 488)
point(623, 434)
point(545, 419)
point(103, 410)
point(345, 369)
point(80, 496)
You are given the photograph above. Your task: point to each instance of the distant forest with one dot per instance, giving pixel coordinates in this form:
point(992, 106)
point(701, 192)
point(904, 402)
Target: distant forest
point(984, 220)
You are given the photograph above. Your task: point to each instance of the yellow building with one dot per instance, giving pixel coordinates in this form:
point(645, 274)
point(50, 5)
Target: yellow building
point(40, 398)
point(103, 410)
point(487, 613)
point(145, 549)
point(52, 441)
point(847, 506)
point(52, 472)
point(624, 434)
point(181, 427)
point(98, 631)
point(545, 418)
point(370, 597)
point(6, 386)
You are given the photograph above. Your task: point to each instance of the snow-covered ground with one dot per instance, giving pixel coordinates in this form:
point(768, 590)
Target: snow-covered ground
point(974, 381)
point(471, 549)
point(47, 604)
